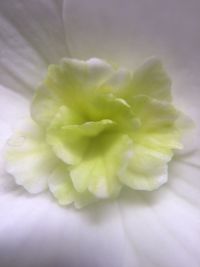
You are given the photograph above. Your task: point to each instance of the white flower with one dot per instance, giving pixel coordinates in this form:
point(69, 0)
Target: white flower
point(160, 228)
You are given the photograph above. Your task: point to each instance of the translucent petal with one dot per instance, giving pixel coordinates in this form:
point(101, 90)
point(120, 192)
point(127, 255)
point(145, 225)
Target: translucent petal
point(98, 173)
point(70, 140)
point(127, 34)
point(44, 106)
point(156, 229)
point(159, 128)
point(163, 217)
point(68, 84)
point(74, 78)
point(28, 158)
point(146, 170)
point(151, 80)
point(31, 37)
point(61, 186)
point(14, 107)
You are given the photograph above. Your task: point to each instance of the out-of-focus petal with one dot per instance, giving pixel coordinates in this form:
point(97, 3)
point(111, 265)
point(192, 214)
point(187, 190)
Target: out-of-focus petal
point(31, 37)
point(164, 227)
point(128, 32)
point(13, 108)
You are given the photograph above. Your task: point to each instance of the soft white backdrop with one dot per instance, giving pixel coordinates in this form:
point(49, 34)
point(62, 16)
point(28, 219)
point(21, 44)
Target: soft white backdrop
point(161, 228)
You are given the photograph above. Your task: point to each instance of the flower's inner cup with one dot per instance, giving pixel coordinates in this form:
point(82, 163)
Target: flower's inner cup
point(95, 128)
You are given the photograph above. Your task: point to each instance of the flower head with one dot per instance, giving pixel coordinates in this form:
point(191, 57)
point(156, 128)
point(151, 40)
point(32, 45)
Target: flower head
point(138, 228)
point(96, 128)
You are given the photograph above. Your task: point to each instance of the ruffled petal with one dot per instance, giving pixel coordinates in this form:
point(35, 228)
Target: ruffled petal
point(70, 82)
point(73, 77)
point(98, 172)
point(44, 106)
point(161, 228)
point(28, 158)
point(61, 186)
point(150, 80)
point(163, 132)
point(71, 142)
point(146, 170)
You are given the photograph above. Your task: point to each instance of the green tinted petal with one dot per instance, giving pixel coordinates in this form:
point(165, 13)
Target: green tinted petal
point(63, 190)
point(84, 199)
point(69, 148)
point(184, 123)
point(116, 109)
point(68, 145)
point(117, 82)
point(155, 115)
point(99, 173)
point(68, 83)
point(74, 78)
point(44, 106)
point(91, 73)
point(71, 141)
point(150, 80)
point(29, 159)
point(162, 142)
point(89, 129)
point(99, 71)
point(61, 186)
point(146, 170)
point(158, 128)
point(83, 173)
point(100, 127)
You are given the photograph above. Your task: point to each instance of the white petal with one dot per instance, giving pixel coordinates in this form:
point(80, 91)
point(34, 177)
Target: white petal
point(146, 169)
point(20, 146)
point(28, 158)
point(37, 232)
point(163, 227)
point(134, 30)
point(13, 108)
point(160, 228)
point(31, 37)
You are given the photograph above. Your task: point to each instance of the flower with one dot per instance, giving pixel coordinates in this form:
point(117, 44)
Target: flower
point(158, 228)
point(96, 129)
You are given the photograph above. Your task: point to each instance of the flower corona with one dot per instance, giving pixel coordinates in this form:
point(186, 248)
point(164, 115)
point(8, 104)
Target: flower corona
point(95, 128)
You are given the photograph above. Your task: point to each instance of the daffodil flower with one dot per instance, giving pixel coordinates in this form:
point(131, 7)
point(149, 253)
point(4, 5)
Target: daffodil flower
point(95, 129)
point(121, 126)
